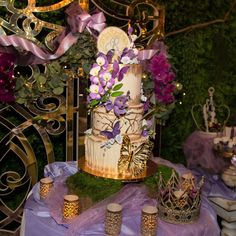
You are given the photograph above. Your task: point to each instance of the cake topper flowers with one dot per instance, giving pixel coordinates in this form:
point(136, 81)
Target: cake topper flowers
point(105, 76)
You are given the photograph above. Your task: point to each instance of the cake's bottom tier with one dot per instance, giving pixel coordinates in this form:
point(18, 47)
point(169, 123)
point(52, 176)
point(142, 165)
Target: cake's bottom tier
point(104, 161)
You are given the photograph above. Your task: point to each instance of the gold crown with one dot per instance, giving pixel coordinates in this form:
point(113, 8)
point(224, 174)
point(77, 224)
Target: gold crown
point(179, 199)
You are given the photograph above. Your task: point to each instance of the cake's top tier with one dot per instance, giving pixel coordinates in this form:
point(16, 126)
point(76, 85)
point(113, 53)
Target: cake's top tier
point(116, 75)
point(132, 83)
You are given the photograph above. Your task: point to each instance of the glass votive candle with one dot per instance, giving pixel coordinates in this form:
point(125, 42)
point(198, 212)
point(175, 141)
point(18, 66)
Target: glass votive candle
point(45, 186)
point(149, 221)
point(70, 206)
point(113, 219)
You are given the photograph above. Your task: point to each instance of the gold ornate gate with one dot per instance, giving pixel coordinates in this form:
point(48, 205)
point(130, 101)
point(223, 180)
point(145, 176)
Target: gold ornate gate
point(27, 132)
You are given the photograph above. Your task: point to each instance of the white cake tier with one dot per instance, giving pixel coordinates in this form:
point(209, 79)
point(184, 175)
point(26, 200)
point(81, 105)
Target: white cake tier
point(130, 124)
point(104, 160)
point(132, 83)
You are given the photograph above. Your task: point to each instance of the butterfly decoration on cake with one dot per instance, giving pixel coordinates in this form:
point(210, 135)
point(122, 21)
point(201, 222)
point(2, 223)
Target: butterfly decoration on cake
point(133, 159)
point(112, 136)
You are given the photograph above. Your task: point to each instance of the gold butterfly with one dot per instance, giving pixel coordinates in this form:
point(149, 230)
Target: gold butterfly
point(134, 159)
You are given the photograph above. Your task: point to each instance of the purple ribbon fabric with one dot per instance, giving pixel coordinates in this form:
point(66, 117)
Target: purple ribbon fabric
point(146, 54)
point(77, 24)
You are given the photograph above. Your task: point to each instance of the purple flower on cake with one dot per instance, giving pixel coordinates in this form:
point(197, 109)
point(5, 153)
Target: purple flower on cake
point(108, 105)
point(129, 56)
point(96, 91)
point(106, 79)
point(122, 72)
point(95, 70)
point(147, 126)
point(120, 105)
point(102, 60)
point(94, 80)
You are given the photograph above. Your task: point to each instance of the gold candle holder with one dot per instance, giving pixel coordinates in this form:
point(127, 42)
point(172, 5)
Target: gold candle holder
point(149, 221)
point(45, 186)
point(70, 207)
point(113, 219)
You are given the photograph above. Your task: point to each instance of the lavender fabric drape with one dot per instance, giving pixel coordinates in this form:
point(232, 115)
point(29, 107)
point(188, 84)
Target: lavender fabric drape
point(45, 217)
point(198, 150)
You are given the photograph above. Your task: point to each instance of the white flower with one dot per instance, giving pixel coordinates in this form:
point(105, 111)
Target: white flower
point(100, 61)
point(95, 70)
point(125, 60)
point(94, 88)
point(88, 131)
point(144, 123)
point(134, 61)
point(133, 37)
point(143, 98)
point(118, 139)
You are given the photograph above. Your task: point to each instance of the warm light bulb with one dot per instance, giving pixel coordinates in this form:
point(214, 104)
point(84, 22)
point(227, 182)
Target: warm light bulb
point(84, 4)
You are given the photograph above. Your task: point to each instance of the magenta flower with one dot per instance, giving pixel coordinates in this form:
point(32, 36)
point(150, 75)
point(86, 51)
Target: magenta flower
point(7, 81)
point(163, 77)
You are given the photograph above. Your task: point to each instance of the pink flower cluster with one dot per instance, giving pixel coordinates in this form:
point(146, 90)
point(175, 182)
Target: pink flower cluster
point(7, 81)
point(163, 78)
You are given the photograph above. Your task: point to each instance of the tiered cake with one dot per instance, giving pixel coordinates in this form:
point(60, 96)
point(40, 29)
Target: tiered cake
point(115, 146)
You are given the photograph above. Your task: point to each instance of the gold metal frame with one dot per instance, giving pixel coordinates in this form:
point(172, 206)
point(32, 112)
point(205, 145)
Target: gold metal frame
point(64, 113)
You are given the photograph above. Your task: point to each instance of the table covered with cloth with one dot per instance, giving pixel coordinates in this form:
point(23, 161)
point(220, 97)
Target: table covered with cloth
point(45, 217)
point(198, 150)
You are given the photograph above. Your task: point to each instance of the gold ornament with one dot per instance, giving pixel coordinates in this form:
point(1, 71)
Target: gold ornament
point(134, 159)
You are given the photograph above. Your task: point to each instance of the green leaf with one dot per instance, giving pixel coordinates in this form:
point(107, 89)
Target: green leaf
point(20, 100)
point(117, 94)
point(41, 79)
point(93, 103)
point(58, 90)
point(117, 87)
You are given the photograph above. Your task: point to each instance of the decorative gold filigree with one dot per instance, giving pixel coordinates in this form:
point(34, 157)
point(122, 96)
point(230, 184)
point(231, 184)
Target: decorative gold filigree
point(133, 159)
point(146, 17)
point(31, 25)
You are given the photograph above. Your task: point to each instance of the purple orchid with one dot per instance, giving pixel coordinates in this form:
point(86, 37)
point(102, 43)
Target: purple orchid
point(106, 79)
point(122, 72)
point(95, 70)
point(120, 105)
point(94, 79)
point(96, 91)
point(108, 105)
point(102, 60)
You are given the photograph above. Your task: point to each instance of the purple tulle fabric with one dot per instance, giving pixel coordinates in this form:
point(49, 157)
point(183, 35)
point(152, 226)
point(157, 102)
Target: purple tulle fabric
point(198, 150)
point(45, 217)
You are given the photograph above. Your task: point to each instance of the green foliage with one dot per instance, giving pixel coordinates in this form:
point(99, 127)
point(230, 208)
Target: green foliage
point(202, 58)
point(96, 188)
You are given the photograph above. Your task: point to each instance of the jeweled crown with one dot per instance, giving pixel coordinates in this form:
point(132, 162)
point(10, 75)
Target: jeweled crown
point(179, 199)
point(206, 116)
